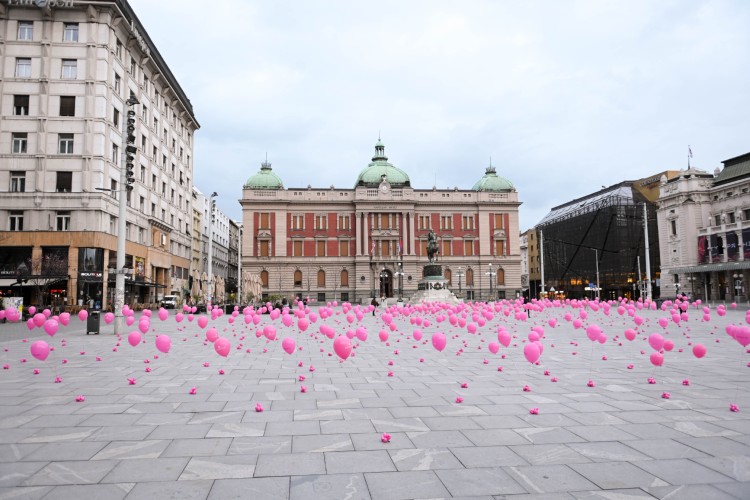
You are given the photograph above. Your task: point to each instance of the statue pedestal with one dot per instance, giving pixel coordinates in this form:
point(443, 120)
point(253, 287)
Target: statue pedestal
point(433, 287)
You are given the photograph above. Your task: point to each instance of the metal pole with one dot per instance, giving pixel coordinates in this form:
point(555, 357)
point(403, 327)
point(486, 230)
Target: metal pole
point(598, 288)
point(541, 255)
point(239, 264)
point(212, 206)
point(648, 258)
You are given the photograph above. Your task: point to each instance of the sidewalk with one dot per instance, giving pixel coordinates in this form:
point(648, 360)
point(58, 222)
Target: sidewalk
point(154, 439)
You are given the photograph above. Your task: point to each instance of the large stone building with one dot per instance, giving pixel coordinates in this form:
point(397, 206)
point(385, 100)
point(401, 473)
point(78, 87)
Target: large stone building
point(371, 241)
point(69, 70)
point(704, 229)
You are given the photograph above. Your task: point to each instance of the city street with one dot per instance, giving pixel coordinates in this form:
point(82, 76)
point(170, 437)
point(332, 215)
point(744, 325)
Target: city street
point(398, 419)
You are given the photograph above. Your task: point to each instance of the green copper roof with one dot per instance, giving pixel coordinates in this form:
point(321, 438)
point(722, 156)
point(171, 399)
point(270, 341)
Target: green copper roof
point(373, 174)
point(493, 182)
point(265, 179)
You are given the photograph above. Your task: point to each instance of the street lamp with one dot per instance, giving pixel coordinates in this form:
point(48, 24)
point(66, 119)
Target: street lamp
point(239, 264)
point(460, 274)
point(400, 274)
point(676, 289)
point(737, 284)
point(212, 205)
point(692, 280)
point(490, 274)
point(383, 276)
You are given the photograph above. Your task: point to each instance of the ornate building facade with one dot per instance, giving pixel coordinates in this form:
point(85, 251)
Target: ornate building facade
point(704, 229)
point(371, 241)
point(74, 75)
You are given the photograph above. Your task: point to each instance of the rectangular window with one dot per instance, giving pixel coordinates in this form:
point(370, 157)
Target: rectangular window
point(25, 30)
point(64, 182)
point(423, 247)
point(717, 220)
point(298, 222)
point(17, 182)
point(113, 189)
point(447, 249)
point(343, 248)
point(673, 227)
point(141, 204)
point(67, 105)
point(20, 142)
point(164, 161)
point(153, 209)
point(117, 83)
point(320, 222)
point(264, 221)
point(69, 69)
point(385, 248)
point(343, 222)
point(424, 222)
point(156, 123)
point(467, 222)
point(65, 144)
point(15, 221)
point(70, 32)
point(468, 247)
point(297, 248)
point(499, 221)
point(115, 154)
point(446, 222)
point(23, 67)
point(118, 48)
point(320, 248)
point(63, 221)
point(116, 117)
point(730, 217)
point(500, 247)
point(144, 115)
point(164, 189)
point(265, 245)
point(20, 105)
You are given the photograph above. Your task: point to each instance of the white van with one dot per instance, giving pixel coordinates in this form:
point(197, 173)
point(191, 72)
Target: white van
point(169, 302)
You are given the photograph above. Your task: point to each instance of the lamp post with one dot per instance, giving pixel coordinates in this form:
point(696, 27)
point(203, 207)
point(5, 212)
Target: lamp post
point(737, 284)
point(692, 279)
point(126, 180)
point(490, 274)
point(383, 276)
point(676, 290)
point(596, 260)
point(212, 207)
point(460, 274)
point(400, 274)
point(239, 264)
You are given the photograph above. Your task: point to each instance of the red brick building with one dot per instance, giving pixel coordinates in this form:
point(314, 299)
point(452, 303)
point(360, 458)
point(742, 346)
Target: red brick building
point(353, 244)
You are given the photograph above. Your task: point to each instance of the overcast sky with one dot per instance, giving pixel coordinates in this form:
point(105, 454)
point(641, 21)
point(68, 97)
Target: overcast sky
point(564, 96)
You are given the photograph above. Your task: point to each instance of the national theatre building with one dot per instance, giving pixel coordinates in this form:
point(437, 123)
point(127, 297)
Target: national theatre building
point(371, 241)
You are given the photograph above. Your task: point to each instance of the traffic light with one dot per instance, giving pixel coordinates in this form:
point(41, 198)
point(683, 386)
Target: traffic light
point(130, 151)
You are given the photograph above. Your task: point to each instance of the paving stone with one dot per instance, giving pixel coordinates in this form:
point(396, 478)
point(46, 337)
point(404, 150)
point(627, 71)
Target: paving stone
point(236, 429)
point(16, 452)
point(619, 494)
point(438, 439)
point(15, 473)
point(132, 449)
point(480, 481)
point(549, 478)
point(372, 441)
point(487, 456)
point(218, 467)
point(58, 452)
point(264, 488)
point(184, 490)
point(329, 487)
point(27, 493)
point(70, 472)
point(346, 462)
point(681, 471)
point(616, 475)
point(607, 451)
point(693, 492)
point(288, 464)
point(292, 428)
point(322, 443)
point(423, 459)
point(405, 485)
point(548, 435)
point(548, 454)
point(346, 426)
point(197, 447)
point(734, 467)
point(665, 448)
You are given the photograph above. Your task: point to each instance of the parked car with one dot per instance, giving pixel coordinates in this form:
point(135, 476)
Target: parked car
point(169, 302)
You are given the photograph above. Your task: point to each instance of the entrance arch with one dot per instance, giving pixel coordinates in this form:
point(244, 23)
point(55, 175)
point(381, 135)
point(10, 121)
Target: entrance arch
point(386, 283)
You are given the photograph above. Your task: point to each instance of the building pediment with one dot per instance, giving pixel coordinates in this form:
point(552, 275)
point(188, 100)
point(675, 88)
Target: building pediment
point(378, 233)
point(499, 233)
point(264, 233)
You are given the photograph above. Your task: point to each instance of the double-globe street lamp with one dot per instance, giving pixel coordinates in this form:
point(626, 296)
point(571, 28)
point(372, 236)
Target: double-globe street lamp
point(491, 274)
point(460, 274)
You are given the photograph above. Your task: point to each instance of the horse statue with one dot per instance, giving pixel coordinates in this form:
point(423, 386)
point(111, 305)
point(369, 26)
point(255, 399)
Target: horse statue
point(432, 246)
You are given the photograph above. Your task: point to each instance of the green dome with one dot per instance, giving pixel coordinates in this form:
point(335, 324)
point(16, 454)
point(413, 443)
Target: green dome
point(265, 179)
point(373, 174)
point(492, 182)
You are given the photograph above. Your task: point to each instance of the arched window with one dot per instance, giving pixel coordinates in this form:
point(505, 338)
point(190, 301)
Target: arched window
point(264, 279)
point(500, 276)
point(297, 278)
point(344, 278)
point(469, 277)
point(449, 276)
point(321, 278)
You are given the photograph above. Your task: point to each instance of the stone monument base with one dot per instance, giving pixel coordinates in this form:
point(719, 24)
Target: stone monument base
point(433, 287)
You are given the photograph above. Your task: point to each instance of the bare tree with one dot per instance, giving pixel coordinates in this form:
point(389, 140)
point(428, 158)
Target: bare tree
point(41, 272)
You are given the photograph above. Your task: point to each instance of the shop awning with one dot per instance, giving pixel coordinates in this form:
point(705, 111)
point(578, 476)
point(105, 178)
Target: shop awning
point(710, 268)
point(7, 282)
point(145, 282)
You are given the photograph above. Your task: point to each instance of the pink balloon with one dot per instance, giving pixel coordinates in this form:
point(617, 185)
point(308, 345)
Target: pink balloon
point(342, 346)
point(302, 324)
point(531, 352)
point(270, 331)
point(663, 322)
point(504, 338)
point(668, 345)
point(439, 341)
point(163, 343)
point(65, 318)
point(202, 321)
point(212, 334)
point(179, 317)
point(163, 314)
point(50, 327)
point(361, 333)
point(109, 318)
point(40, 350)
point(222, 346)
point(417, 335)
point(134, 338)
point(638, 320)
point(577, 323)
point(383, 335)
point(630, 334)
point(129, 320)
point(533, 336)
point(742, 335)
point(144, 325)
point(657, 358)
point(287, 320)
point(699, 350)
point(552, 322)
point(32, 310)
point(494, 347)
point(593, 332)
point(288, 345)
point(39, 319)
point(30, 324)
point(656, 341)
